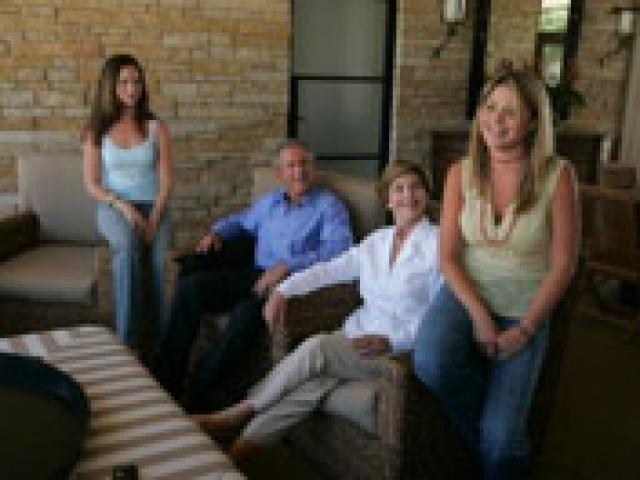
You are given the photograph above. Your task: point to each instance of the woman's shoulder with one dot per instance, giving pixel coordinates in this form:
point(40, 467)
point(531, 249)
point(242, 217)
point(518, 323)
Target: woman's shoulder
point(560, 170)
point(88, 137)
point(157, 127)
point(457, 169)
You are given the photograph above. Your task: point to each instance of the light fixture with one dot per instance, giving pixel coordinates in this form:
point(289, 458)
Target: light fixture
point(625, 27)
point(453, 14)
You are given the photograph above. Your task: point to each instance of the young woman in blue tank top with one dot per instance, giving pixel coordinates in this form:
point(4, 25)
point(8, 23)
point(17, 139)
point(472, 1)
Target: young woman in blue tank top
point(127, 169)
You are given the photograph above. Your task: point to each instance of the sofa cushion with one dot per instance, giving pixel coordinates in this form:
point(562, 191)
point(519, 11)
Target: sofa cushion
point(49, 272)
point(52, 186)
point(355, 401)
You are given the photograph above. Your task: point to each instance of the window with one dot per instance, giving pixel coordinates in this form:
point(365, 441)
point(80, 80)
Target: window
point(551, 41)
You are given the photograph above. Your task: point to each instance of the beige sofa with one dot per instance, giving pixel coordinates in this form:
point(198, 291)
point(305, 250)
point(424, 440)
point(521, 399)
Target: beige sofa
point(51, 260)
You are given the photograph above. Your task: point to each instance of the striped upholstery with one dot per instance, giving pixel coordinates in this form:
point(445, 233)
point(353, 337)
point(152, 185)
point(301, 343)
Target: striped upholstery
point(132, 419)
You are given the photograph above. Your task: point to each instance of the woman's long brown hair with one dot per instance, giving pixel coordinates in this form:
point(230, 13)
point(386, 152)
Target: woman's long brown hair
point(106, 109)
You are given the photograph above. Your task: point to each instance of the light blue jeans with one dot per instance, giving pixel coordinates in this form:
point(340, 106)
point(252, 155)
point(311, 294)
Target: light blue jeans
point(488, 400)
point(128, 252)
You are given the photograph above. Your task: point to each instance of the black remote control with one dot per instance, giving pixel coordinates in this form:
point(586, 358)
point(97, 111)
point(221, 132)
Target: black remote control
point(125, 472)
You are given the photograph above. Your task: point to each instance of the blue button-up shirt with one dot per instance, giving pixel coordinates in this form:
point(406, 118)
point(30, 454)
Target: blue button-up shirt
point(315, 229)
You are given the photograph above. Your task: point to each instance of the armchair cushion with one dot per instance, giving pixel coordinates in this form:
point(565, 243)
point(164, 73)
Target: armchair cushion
point(61, 273)
point(355, 401)
point(18, 233)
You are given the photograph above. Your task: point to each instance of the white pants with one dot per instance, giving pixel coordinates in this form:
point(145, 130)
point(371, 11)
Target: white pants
point(295, 387)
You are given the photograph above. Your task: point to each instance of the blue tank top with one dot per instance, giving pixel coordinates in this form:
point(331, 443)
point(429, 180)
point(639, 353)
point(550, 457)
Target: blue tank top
point(131, 173)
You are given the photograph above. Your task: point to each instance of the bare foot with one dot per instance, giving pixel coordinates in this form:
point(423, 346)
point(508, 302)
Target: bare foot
point(243, 450)
point(228, 418)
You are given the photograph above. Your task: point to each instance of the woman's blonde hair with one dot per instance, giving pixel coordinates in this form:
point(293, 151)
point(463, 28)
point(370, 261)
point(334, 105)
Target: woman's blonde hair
point(397, 169)
point(539, 139)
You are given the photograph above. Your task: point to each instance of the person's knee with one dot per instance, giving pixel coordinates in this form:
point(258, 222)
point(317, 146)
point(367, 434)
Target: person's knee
point(185, 286)
point(126, 242)
point(314, 343)
point(186, 297)
point(430, 355)
point(246, 318)
point(440, 338)
point(249, 308)
point(313, 351)
point(428, 366)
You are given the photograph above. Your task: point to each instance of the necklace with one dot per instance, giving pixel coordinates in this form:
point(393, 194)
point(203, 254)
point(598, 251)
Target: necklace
point(496, 239)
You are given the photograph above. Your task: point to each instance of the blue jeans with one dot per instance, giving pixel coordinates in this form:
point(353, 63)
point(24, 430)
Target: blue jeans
point(487, 399)
point(129, 250)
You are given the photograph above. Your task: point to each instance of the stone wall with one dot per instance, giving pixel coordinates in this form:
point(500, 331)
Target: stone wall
point(217, 72)
point(512, 32)
point(428, 92)
point(603, 87)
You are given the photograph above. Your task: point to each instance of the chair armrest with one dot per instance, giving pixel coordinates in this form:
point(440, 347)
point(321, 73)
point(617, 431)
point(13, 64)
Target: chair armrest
point(18, 232)
point(392, 393)
point(321, 311)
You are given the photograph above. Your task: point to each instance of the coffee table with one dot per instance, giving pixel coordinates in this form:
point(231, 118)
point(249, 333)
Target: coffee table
point(133, 420)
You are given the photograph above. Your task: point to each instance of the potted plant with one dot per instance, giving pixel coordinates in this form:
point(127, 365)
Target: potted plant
point(563, 98)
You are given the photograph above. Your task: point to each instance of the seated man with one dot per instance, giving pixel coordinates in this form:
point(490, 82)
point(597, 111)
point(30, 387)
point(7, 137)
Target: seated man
point(293, 227)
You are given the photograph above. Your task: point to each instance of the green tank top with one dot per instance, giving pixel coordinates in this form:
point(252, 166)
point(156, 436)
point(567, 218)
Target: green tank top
point(506, 263)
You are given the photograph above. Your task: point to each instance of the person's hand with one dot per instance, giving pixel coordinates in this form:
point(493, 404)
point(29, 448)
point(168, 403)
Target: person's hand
point(132, 215)
point(485, 332)
point(270, 279)
point(274, 309)
point(209, 241)
point(371, 345)
point(511, 341)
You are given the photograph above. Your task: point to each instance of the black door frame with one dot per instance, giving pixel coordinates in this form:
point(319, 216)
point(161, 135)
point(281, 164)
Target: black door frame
point(386, 81)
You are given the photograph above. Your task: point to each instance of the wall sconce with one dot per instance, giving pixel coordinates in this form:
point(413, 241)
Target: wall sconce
point(625, 25)
point(453, 14)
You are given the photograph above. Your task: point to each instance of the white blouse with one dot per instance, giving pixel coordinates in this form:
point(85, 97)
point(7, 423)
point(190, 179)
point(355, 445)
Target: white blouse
point(395, 297)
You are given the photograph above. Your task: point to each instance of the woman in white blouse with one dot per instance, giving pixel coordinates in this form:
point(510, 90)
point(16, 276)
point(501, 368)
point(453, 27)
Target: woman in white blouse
point(398, 275)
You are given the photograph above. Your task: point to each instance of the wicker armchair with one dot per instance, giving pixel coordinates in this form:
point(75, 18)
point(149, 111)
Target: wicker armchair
point(360, 197)
point(333, 441)
point(412, 437)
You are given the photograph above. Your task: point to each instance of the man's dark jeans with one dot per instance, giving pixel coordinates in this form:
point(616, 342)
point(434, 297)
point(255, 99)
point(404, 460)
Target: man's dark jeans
point(220, 282)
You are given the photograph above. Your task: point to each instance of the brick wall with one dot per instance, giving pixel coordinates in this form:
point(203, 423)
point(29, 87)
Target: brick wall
point(428, 92)
point(512, 31)
point(217, 72)
point(602, 87)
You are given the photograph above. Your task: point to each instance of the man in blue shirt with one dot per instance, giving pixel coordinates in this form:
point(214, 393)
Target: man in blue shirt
point(293, 227)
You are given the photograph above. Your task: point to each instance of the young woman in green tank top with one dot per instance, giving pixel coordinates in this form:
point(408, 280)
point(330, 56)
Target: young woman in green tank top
point(508, 247)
